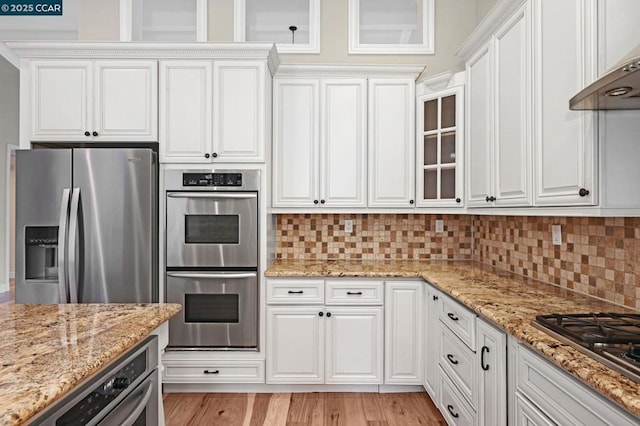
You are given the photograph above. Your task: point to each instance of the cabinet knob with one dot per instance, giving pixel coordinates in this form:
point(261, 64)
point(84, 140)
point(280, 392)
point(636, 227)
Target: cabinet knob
point(458, 200)
point(487, 199)
point(206, 155)
point(95, 133)
point(322, 201)
point(328, 314)
point(411, 201)
point(435, 297)
point(315, 201)
point(320, 314)
point(583, 192)
point(87, 134)
point(215, 155)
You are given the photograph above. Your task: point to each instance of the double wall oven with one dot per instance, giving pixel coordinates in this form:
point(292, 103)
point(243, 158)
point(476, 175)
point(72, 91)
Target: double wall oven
point(212, 258)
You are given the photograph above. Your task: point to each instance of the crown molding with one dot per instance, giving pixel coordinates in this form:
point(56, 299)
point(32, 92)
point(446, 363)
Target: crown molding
point(482, 33)
point(9, 55)
point(348, 71)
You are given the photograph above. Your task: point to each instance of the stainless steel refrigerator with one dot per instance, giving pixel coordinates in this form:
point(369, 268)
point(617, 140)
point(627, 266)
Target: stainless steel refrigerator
point(86, 225)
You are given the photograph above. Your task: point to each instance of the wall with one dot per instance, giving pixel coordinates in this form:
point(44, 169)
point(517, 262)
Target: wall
point(9, 99)
point(99, 20)
point(483, 7)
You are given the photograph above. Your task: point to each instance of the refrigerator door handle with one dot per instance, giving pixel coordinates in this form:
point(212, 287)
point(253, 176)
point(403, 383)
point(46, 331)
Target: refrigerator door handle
point(62, 246)
point(73, 235)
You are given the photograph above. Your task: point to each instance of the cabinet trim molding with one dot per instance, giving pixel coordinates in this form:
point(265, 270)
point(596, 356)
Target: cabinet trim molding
point(341, 71)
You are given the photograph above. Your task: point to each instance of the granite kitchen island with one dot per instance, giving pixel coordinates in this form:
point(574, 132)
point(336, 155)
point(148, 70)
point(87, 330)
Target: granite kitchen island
point(48, 350)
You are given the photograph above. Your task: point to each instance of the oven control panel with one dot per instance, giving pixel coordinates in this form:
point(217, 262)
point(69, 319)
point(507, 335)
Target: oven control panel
point(212, 179)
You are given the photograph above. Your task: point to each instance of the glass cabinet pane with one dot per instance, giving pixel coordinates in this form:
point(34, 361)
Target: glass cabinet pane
point(430, 150)
point(390, 22)
point(448, 184)
point(448, 147)
point(448, 111)
point(431, 115)
point(430, 184)
point(272, 21)
point(164, 20)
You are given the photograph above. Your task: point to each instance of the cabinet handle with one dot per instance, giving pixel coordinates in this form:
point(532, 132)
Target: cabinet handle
point(451, 359)
point(328, 314)
point(452, 316)
point(206, 155)
point(320, 314)
point(484, 366)
point(215, 155)
point(583, 192)
point(315, 201)
point(489, 199)
point(322, 201)
point(95, 133)
point(87, 134)
point(354, 293)
point(458, 200)
point(435, 297)
point(411, 201)
point(295, 292)
point(212, 372)
point(453, 413)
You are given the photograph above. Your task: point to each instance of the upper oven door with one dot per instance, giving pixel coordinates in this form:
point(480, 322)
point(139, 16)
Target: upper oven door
point(212, 229)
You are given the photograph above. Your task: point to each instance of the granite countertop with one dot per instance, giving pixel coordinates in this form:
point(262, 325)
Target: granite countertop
point(507, 300)
point(46, 350)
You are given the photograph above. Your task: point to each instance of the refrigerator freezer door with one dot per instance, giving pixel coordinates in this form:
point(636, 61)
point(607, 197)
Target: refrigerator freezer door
point(41, 178)
point(117, 225)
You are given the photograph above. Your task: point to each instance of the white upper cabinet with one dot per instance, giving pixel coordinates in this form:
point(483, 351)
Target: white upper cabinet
point(499, 117)
point(391, 27)
point(213, 111)
point(295, 148)
point(294, 25)
point(320, 143)
point(391, 143)
point(439, 148)
point(93, 100)
point(565, 140)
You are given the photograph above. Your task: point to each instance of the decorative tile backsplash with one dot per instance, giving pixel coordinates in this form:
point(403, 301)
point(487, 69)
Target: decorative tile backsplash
point(598, 256)
point(374, 236)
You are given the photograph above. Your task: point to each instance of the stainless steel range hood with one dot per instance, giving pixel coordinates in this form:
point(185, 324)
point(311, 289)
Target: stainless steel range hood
point(617, 89)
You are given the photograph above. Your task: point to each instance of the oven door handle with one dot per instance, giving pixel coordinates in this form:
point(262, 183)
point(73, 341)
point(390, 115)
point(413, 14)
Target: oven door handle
point(213, 276)
point(234, 195)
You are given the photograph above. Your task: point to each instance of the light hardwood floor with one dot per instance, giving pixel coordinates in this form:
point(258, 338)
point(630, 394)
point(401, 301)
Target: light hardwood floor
point(297, 409)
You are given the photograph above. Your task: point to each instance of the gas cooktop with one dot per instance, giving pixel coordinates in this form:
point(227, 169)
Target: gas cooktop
point(611, 338)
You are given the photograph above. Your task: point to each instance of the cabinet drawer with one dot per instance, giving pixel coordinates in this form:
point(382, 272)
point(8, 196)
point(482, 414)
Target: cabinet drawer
point(457, 360)
point(295, 292)
point(460, 320)
point(454, 408)
point(353, 292)
point(528, 415)
point(561, 397)
point(214, 372)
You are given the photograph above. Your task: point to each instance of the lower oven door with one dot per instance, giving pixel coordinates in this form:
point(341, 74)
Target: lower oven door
point(219, 309)
point(139, 408)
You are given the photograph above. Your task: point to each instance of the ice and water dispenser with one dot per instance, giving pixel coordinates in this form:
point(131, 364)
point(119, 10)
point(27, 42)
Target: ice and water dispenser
point(41, 252)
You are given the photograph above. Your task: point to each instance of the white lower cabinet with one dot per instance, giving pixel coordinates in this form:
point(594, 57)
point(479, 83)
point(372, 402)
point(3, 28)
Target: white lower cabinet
point(492, 381)
point(431, 341)
point(403, 332)
point(317, 344)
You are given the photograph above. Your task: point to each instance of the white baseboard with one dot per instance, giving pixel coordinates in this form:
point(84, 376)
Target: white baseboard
point(4, 287)
point(264, 388)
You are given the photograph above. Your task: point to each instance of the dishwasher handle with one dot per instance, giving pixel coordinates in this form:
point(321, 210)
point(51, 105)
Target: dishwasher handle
point(220, 275)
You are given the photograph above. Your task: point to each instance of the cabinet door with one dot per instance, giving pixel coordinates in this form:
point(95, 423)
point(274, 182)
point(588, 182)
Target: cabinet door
point(512, 138)
point(354, 342)
point(492, 368)
point(343, 106)
point(60, 93)
point(391, 143)
point(432, 342)
point(565, 140)
point(239, 111)
point(185, 111)
point(295, 148)
point(403, 332)
point(126, 101)
point(295, 344)
point(478, 116)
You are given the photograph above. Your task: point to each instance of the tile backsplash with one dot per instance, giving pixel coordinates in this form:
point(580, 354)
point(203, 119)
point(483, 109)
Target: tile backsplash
point(374, 236)
point(598, 256)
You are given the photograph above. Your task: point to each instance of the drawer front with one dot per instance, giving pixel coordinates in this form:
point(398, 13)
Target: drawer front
point(457, 360)
point(528, 415)
point(214, 372)
point(453, 406)
point(460, 320)
point(354, 292)
point(561, 397)
point(309, 292)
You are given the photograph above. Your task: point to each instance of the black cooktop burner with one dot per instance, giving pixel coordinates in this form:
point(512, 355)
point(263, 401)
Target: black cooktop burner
point(595, 328)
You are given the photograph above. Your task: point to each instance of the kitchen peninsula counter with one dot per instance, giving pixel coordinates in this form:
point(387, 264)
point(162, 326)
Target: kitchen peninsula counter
point(505, 299)
point(47, 350)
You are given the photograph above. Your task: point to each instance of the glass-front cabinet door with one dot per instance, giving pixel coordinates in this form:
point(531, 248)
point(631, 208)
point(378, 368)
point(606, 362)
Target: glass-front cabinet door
point(439, 151)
